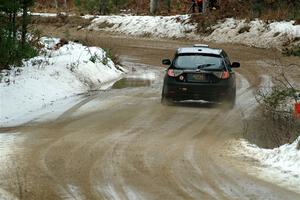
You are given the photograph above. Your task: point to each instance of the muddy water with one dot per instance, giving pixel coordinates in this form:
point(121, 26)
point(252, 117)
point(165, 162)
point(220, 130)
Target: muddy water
point(131, 82)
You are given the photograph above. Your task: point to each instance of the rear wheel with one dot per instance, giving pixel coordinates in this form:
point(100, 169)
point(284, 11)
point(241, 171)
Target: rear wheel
point(230, 101)
point(165, 101)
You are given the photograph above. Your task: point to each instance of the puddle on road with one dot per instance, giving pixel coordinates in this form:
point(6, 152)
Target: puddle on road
point(132, 82)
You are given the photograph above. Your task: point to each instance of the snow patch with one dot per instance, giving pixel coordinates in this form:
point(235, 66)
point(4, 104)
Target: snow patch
point(281, 165)
point(177, 26)
point(255, 33)
point(58, 74)
point(45, 14)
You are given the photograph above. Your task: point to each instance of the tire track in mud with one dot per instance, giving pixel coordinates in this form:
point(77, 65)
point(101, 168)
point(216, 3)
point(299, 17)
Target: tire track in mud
point(148, 113)
point(121, 168)
point(123, 153)
point(176, 131)
point(170, 157)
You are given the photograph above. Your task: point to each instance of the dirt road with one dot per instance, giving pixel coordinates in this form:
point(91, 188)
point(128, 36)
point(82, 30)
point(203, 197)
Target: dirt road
point(123, 144)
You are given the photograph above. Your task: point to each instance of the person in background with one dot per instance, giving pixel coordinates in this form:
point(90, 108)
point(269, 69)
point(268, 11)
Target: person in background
point(193, 7)
point(200, 5)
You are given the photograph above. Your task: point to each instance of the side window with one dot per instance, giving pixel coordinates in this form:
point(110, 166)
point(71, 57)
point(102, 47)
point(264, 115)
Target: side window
point(227, 61)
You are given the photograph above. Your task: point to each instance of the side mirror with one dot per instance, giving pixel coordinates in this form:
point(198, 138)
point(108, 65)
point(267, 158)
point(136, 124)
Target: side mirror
point(235, 65)
point(166, 62)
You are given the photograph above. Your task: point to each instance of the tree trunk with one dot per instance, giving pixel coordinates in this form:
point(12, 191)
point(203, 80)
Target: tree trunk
point(24, 23)
point(168, 3)
point(65, 4)
point(56, 4)
point(14, 30)
point(153, 7)
point(102, 7)
point(10, 27)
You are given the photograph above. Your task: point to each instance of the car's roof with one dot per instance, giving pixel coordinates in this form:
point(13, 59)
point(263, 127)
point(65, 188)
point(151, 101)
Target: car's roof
point(201, 49)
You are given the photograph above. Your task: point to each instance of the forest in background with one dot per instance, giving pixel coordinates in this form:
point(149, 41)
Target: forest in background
point(265, 9)
point(15, 45)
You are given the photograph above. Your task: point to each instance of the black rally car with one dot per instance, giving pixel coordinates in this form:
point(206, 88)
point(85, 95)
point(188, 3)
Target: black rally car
point(199, 73)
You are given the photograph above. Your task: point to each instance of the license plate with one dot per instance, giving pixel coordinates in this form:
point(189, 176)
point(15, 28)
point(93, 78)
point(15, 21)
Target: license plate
point(198, 77)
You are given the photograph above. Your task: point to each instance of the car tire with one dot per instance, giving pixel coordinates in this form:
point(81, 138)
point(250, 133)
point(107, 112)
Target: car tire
point(165, 101)
point(230, 101)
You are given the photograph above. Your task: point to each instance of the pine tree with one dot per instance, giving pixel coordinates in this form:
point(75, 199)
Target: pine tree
point(12, 50)
point(25, 4)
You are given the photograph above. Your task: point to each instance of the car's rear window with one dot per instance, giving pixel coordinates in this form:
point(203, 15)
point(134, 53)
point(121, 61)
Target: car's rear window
point(198, 61)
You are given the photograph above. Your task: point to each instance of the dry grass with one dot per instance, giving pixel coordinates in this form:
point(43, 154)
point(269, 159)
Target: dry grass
point(274, 123)
point(61, 20)
point(292, 51)
point(205, 23)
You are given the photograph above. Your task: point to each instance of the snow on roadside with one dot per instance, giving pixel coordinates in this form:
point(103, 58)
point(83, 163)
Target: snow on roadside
point(254, 33)
point(44, 80)
point(177, 26)
point(280, 165)
point(44, 14)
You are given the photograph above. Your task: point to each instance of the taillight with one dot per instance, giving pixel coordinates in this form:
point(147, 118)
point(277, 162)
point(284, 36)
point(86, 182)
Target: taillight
point(174, 72)
point(222, 74)
point(171, 73)
point(225, 75)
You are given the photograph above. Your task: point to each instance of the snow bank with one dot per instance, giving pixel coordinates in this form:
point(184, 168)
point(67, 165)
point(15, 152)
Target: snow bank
point(70, 70)
point(45, 14)
point(254, 33)
point(177, 26)
point(281, 165)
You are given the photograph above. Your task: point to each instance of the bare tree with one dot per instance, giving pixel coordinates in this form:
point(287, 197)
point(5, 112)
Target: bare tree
point(154, 6)
point(103, 7)
point(65, 3)
point(56, 3)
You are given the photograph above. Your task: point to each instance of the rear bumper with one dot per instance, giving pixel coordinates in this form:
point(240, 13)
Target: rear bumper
point(198, 91)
